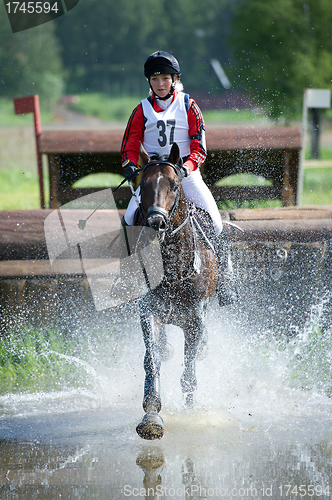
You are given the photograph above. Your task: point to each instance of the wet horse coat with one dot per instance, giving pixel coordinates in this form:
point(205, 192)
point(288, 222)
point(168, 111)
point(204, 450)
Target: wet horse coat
point(190, 279)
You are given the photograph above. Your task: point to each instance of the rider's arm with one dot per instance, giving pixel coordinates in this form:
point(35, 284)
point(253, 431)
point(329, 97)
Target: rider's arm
point(197, 137)
point(133, 136)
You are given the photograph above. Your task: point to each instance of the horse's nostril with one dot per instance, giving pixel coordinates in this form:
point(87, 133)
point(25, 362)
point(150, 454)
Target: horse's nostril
point(156, 223)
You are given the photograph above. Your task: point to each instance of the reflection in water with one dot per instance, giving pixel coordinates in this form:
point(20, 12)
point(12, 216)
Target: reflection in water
point(111, 462)
point(151, 461)
point(188, 478)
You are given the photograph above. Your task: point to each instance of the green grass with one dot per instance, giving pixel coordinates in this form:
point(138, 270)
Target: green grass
point(19, 190)
point(38, 360)
point(109, 108)
point(306, 357)
point(8, 117)
point(106, 107)
point(317, 186)
point(103, 180)
point(256, 203)
point(119, 109)
point(325, 153)
point(244, 180)
point(233, 116)
point(317, 189)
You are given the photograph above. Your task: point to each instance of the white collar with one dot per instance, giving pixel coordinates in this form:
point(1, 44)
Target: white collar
point(164, 104)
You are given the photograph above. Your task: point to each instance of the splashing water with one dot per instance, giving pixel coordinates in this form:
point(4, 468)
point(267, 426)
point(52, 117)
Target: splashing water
point(261, 418)
point(260, 378)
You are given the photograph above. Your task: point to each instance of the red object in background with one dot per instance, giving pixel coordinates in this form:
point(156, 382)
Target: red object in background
point(25, 105)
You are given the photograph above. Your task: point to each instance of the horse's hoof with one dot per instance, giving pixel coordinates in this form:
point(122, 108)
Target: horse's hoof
point(150, 460)
point(151, 427)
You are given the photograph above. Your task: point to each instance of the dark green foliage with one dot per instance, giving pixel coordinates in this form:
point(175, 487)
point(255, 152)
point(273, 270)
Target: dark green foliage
point(30, 62)
point(270, 49)
point(282, 47)
point(104, 45)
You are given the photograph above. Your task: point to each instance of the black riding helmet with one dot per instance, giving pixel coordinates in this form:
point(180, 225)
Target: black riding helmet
point(161, 63)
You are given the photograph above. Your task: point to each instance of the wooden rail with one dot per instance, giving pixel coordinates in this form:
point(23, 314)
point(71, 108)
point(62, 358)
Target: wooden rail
point(23, 251)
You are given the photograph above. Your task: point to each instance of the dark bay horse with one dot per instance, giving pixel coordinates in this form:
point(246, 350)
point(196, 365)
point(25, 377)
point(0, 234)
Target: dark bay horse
point(181, 299)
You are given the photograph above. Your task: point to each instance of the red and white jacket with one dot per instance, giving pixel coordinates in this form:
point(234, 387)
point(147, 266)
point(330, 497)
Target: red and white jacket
point(136, 127)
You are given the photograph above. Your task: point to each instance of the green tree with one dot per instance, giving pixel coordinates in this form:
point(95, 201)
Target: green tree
point(282, 47)
point(30, 62)
point(104, 46)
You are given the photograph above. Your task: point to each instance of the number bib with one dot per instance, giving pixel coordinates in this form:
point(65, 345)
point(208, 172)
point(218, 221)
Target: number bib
point(166, 127)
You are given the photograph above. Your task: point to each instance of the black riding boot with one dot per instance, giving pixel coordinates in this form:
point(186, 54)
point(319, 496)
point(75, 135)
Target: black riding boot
point(226, 288)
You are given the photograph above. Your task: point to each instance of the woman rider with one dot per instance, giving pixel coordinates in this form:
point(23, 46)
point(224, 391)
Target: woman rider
point(169, 115)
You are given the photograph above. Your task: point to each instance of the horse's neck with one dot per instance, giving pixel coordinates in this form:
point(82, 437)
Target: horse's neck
point(178, 247)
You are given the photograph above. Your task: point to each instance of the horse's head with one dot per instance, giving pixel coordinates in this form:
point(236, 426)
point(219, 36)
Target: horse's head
point(160, 189)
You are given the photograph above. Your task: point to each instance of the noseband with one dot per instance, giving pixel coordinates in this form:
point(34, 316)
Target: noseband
point(159, 212)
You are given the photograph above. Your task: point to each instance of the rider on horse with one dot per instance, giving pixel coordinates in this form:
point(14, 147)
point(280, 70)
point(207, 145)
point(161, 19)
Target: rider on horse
point(167, 116)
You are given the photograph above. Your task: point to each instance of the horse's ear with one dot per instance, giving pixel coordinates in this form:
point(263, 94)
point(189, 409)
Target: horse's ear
point(174, 155)
point(145, 158)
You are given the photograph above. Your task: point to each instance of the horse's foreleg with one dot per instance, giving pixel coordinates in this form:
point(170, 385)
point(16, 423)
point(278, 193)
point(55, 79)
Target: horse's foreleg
point(152, 361)
point(193, 335)
point(152, 426)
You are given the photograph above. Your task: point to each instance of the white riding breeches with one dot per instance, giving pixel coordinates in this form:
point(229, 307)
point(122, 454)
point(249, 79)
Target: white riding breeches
point(195, 191)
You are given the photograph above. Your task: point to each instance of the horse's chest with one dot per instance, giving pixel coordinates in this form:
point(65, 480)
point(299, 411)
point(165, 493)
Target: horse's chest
point(171, 253)
point(176, 260)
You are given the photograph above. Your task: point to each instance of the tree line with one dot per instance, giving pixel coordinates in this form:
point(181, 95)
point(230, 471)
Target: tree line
point(270, 49)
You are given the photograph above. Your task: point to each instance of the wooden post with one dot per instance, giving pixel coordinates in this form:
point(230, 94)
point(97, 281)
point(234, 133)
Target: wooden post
point(287, 196)
point(30, 104)
point(54, 176)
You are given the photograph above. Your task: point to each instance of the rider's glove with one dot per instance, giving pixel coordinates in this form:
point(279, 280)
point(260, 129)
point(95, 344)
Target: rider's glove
point(182, 171)
point(130, 170)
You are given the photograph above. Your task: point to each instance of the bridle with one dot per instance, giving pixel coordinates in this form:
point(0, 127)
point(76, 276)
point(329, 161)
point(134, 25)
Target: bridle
point(159, 212)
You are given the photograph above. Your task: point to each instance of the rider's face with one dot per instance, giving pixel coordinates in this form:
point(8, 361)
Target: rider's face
point(161, 84)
